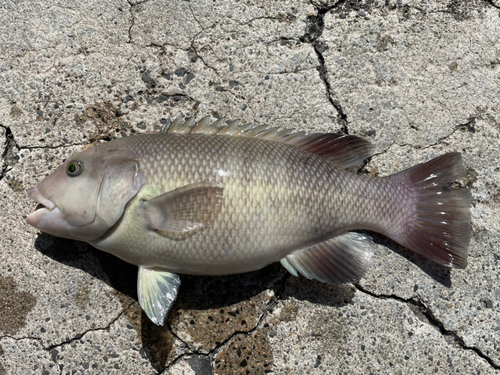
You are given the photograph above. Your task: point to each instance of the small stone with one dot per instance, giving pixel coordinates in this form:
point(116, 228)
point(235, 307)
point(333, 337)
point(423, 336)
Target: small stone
point(162, 98)
point(146, 78)
point(180, 72)
point(189, 78)
point(321, 48)
point(318, 361)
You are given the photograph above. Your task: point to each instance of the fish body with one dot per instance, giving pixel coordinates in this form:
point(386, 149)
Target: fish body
point(275, 199)
point(209, 199)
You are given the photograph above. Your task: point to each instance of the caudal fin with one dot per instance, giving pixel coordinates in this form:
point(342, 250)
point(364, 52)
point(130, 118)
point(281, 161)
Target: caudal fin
point(436, 217)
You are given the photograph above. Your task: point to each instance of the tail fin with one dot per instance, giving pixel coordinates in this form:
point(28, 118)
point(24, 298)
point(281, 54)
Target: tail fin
point(437, 215)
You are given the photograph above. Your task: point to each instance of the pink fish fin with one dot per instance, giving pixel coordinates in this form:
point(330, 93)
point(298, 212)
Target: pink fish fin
point(180, 213)
point(343, 150)
point(341, 259)
point(436, 216)
point(157, 291)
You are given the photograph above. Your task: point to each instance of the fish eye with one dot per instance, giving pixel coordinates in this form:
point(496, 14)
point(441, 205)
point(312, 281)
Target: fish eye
point(74, 168)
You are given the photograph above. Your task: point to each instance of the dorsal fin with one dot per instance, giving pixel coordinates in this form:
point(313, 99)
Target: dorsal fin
point(343, 150)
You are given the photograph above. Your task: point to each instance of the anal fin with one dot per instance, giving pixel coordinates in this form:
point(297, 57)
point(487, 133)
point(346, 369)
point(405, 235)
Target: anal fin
point(157, 291)
point(339, 260)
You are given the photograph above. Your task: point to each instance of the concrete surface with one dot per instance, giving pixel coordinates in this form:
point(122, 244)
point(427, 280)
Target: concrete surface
point(416, 78)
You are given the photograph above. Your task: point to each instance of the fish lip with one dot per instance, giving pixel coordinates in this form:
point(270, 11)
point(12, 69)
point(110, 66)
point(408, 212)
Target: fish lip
point(35, 194)
point(43, 204)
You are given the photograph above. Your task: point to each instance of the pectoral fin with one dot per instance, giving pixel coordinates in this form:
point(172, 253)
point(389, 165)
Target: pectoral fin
point(180, 213)
point(157, 290)
point(341, 259)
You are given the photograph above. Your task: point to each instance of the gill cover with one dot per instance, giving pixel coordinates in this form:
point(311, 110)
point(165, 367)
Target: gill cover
point(119, 185)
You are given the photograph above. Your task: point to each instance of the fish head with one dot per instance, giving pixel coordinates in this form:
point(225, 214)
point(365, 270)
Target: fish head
point(87, 194)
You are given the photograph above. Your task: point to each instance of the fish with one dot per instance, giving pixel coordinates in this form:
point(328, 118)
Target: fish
point(221, 198)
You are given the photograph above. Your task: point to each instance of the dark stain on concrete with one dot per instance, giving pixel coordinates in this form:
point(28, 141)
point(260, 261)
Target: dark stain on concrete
point(332, 329)
point(209, 310)
point(470, 178)
point(246, 354)
point(106, 117)
point(15, 185)
point(383, 42)
point(289, 312)
point(15, 111)
point(200, 364)
point(157, 341)
point(82, 297)
point(14, 305)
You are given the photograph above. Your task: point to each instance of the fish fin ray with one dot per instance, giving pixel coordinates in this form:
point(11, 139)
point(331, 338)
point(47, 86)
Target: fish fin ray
point(157, 290)
point(284, 262)
point(341, 259)
point(439, 226)
point(180, 213)
point(343, 150)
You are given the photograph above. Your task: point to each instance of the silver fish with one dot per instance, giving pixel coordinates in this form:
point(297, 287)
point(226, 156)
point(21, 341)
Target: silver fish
point(216, 199)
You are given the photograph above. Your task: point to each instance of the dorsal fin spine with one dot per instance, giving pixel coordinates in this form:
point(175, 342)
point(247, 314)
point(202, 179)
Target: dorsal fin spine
point(342, 149)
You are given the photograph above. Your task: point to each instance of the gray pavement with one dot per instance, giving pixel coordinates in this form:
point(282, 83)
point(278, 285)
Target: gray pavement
point(416, 78)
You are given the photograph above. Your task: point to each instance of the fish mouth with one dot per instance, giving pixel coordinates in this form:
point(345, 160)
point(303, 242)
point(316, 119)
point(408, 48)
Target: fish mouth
point(43, 206)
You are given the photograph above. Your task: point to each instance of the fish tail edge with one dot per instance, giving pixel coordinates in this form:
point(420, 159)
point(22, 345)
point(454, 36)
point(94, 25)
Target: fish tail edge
point(437, 216)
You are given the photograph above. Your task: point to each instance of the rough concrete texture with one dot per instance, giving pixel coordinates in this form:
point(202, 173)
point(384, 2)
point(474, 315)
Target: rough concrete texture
point(416, 78)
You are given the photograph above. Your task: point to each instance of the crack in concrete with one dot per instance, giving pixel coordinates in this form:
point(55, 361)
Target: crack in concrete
point(50, 147)
point(132, 23)
point(79, 336)
point(202, 59)
point(20, 338)
point(432, 320)
point(218, 348)
point(173, 362)
point(469, 126)
point(9, 152)
point(311, 36)
point(493, 4)
point(52, 348)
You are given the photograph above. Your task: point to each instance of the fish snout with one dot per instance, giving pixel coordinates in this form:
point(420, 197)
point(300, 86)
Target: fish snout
point(44, 204)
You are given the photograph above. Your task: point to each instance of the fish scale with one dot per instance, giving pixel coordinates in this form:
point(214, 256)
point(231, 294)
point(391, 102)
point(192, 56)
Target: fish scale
point(213, 199)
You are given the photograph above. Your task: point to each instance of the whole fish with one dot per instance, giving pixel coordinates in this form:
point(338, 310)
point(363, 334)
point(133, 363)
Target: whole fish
point(215, 199)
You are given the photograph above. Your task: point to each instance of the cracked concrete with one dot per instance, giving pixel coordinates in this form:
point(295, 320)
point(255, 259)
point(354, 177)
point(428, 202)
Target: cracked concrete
point(417, 79)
